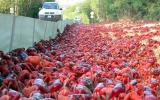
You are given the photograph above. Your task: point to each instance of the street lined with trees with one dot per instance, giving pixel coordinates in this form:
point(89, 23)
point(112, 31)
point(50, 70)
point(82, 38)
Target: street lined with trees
point(28, 8)
point(104, 10)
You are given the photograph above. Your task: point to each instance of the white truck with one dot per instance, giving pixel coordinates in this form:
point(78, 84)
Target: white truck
point(50, 11)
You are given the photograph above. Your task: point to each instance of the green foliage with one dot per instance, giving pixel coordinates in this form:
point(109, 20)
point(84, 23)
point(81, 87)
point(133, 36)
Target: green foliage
point(110, 10)
point(70, 13)
point(5, 5)
point(154, 14)
point(85, 10)
point(84, 18)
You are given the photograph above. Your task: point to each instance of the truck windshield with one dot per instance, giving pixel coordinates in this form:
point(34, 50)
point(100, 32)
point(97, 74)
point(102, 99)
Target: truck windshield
point(50, 6)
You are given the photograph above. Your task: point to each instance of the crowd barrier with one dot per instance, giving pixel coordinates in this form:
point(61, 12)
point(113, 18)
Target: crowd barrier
point(19, 31)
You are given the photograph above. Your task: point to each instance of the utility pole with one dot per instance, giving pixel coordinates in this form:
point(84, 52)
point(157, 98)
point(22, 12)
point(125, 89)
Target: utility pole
point(16, 7)
point(92, 16)
point(99, 10)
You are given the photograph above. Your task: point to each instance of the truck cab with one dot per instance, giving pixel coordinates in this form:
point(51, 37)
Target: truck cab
point(50, 11)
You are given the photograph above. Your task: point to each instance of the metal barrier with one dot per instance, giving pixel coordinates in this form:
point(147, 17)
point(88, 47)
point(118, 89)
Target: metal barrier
point(19, 31)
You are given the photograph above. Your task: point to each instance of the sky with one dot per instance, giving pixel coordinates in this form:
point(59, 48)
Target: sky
point(66, 3)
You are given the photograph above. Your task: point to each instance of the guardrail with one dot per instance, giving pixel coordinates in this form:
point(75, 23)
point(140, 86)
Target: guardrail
point(19, 31)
